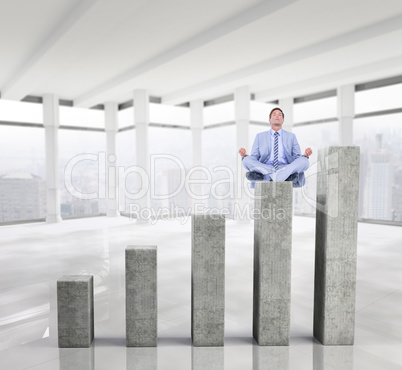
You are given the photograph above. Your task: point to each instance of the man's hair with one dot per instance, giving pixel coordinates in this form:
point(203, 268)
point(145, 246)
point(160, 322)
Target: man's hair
point(270, 114)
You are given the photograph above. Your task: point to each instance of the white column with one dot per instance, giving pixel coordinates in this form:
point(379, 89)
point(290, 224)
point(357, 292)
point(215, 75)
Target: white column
point(346, 113)
point(51, 123)
point(242, 117)
point(197, 125)
point(286, 105)
point(111, 127)
point(141, 121)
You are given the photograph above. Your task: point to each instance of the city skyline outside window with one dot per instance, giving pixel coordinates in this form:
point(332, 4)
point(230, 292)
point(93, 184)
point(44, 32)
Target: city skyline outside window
point(171, 156)
point(219, 156)
point(22, 173)
point(380, 190)
point(82, 168)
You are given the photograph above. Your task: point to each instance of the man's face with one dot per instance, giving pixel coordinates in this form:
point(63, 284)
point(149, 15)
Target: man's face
point(276, 118)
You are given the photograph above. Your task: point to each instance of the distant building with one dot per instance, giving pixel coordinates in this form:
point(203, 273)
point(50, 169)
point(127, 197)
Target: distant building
point(397, 195)
point(22, 197)
point(79, 208)
point(380, 182)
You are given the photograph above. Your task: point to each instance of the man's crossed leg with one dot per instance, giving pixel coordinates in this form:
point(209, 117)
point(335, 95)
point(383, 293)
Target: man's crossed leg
point(268, 171)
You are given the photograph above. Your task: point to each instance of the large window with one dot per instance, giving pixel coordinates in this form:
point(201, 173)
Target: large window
point(126, 159)
point(170, 159)
point(82, 117)
point(219, 113)
point(20, 111)
point(382, 98)
point(315, 136)
point(126, 117)
point(315, 110)
point(22, 173)
point(219, 155)
point(380, 141)
point(260, 111)
point(172, 115)
point(82, 173)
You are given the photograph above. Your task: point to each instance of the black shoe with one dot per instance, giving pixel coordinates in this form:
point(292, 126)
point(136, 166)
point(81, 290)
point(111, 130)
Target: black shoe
point(292, 177)
point(254, 176)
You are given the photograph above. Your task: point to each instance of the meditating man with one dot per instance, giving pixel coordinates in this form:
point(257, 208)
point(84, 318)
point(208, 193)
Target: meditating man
point(276, 155)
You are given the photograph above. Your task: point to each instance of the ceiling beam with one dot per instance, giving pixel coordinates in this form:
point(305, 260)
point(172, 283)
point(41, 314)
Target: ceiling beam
point(125, 82)
point(356, 75)
point(27, 78)
point(329, 45)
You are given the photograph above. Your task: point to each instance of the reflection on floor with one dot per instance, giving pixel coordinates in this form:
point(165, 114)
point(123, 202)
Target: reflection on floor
point(34, 256)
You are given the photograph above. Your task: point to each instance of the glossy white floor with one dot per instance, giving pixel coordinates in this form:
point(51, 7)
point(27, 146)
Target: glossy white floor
point(34, 256)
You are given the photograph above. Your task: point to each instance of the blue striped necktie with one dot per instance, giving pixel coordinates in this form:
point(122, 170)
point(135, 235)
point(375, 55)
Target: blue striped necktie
point(276, 164)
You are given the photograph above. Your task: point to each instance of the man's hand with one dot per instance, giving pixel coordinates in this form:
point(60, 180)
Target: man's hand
point(242, 152)
point(308, 152)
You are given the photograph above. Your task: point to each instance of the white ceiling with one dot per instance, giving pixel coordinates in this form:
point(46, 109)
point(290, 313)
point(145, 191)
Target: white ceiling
point(94, 51)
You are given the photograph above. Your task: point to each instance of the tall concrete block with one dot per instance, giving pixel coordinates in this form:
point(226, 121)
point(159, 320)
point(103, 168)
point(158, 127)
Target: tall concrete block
point(336, 244)
point(141, 296)
point(75, 311)
point(272, 262)
point(207, 280)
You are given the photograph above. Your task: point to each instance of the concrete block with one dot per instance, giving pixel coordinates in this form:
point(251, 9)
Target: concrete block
point(75, 311)
point(141, 296)
point(336, 244)
point(272, 262)
point(207, 280)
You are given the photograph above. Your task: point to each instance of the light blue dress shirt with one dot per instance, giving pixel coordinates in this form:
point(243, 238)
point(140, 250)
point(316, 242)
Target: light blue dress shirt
point(281, 155)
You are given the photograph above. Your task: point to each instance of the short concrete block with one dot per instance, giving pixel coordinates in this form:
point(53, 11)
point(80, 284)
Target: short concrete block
point(208, 280)
point(75, 311)
point(141, 296)
point(272, 262)
point(336, 245)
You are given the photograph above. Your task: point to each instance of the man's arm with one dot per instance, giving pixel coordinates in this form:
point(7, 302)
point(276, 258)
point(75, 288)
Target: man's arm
point(296, 152)
point(255, 150)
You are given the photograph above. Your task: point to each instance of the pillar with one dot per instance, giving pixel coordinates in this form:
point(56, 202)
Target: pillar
point(51, 121)
point(141, 121)
point(346, 113)
point(336, 244)
point(197, 125)
point(141, 296)
point(207, 280)
point(75, 311)
point(111, 127)
point(272, 262)
point(286, 104)
point(242, 117)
